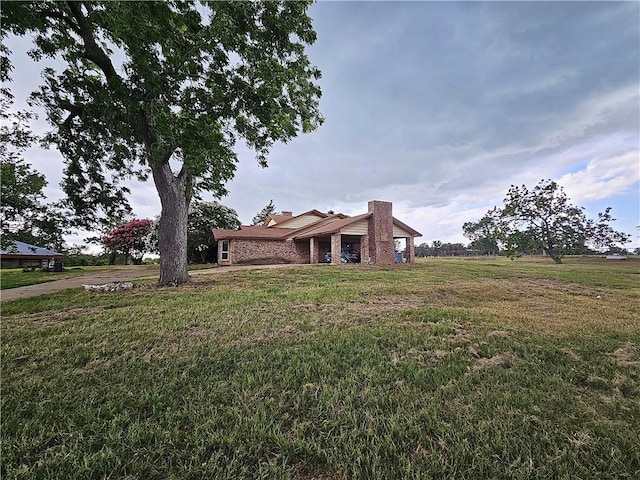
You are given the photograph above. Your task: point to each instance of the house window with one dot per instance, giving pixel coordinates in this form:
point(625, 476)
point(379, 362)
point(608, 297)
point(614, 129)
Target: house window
point(224, 250)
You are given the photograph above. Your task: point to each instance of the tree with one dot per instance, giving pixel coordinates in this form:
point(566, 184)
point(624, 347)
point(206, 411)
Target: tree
point(438, 248)
point(166, 89)
point(203, 217)
point(543, 219)
point(454, 249)
point(482, 235)
point(129, 240)
point(262, 215)
point(23, 214)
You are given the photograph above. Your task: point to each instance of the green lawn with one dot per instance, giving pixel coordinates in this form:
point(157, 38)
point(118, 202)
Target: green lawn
point(16, 277)
point(449, 368)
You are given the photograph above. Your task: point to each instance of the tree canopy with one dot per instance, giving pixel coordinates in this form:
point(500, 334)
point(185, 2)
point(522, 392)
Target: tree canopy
point(129, 239)
point(544, 219)
point(203, 217)
point(167, 89)
point(24, 214)
point(482, 234)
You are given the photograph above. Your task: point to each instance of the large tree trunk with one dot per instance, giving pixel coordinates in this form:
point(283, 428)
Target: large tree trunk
point(172, 230)
point(554, 256)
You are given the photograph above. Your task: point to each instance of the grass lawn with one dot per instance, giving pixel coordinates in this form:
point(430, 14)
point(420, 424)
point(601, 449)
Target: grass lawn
point(449, 368)
point(16, 277)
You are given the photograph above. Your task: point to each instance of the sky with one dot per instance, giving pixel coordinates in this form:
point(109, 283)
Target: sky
point(438, 107)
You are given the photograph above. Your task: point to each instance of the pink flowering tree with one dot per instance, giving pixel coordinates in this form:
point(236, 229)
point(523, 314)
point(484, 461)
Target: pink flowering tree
point(129, 240)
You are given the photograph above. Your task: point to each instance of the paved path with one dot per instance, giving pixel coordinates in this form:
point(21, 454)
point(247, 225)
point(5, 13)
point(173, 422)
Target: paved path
point(116, 275)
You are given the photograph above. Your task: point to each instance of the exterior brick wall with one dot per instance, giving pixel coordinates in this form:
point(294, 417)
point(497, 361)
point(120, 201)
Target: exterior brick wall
point(381, 246)
point(336, 248)
point(268, 251)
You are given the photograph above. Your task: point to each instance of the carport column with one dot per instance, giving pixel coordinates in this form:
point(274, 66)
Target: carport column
point(314, 251)
point(409, 251)
point(364, 249)
point(336, 247)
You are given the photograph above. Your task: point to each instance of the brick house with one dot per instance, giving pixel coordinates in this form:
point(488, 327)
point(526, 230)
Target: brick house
point(315, 237)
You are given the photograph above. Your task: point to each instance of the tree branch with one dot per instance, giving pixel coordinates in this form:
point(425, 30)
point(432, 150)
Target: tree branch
point(92, 50)
point(64, 18)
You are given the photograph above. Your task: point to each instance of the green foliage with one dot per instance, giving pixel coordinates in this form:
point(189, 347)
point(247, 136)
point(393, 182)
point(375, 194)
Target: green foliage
point(542, 219)
point(482, 234)
point(203, 217)
point(188, 81)
point(129, 239)
point(438, 249)
point(85, 260)
point(262, 215)
point(23, 214)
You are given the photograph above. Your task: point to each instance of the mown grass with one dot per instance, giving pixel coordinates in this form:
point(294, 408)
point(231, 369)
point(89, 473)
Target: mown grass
point(16, 277)
point(444, 369)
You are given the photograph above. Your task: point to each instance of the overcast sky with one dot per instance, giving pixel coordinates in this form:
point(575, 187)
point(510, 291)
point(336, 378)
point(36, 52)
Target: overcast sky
point(439, 107)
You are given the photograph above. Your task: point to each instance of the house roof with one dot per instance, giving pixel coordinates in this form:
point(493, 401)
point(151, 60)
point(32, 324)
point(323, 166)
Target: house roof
point(326, 224)
point(275, 218)
point(251, 231)
point(330, 218)
point(18, 249)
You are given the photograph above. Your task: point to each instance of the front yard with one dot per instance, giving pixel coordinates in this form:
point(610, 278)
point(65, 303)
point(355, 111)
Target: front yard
point(444, 369)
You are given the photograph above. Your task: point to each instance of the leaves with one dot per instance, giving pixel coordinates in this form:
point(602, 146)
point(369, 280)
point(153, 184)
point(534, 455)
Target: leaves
point(203, 217)
point(24, 215)
point(157, 87)
point(129, 239)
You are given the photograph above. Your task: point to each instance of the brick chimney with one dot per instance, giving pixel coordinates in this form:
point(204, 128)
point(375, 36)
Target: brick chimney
point(381, 246)
point(286, 214)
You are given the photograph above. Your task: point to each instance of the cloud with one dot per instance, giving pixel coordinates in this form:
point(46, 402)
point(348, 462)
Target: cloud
point(603, 177)
point(440, 106)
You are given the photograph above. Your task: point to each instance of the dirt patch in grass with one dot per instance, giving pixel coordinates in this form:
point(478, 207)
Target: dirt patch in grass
point(627, 356)
point(58, 316)
point(500, 334)
point(307, 471)
point(505, 360)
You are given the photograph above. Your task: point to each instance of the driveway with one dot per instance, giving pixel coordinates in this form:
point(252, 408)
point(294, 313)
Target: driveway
point(115, 275)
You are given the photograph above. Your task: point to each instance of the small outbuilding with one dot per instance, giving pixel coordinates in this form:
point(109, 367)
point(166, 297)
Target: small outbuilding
point(318, 237)
point(23, 255)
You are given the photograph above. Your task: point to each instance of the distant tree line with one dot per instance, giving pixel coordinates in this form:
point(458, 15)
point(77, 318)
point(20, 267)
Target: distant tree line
point(440, 249)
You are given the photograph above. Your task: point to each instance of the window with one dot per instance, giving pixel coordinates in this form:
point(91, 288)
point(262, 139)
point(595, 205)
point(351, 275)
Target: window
point(224, 250)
